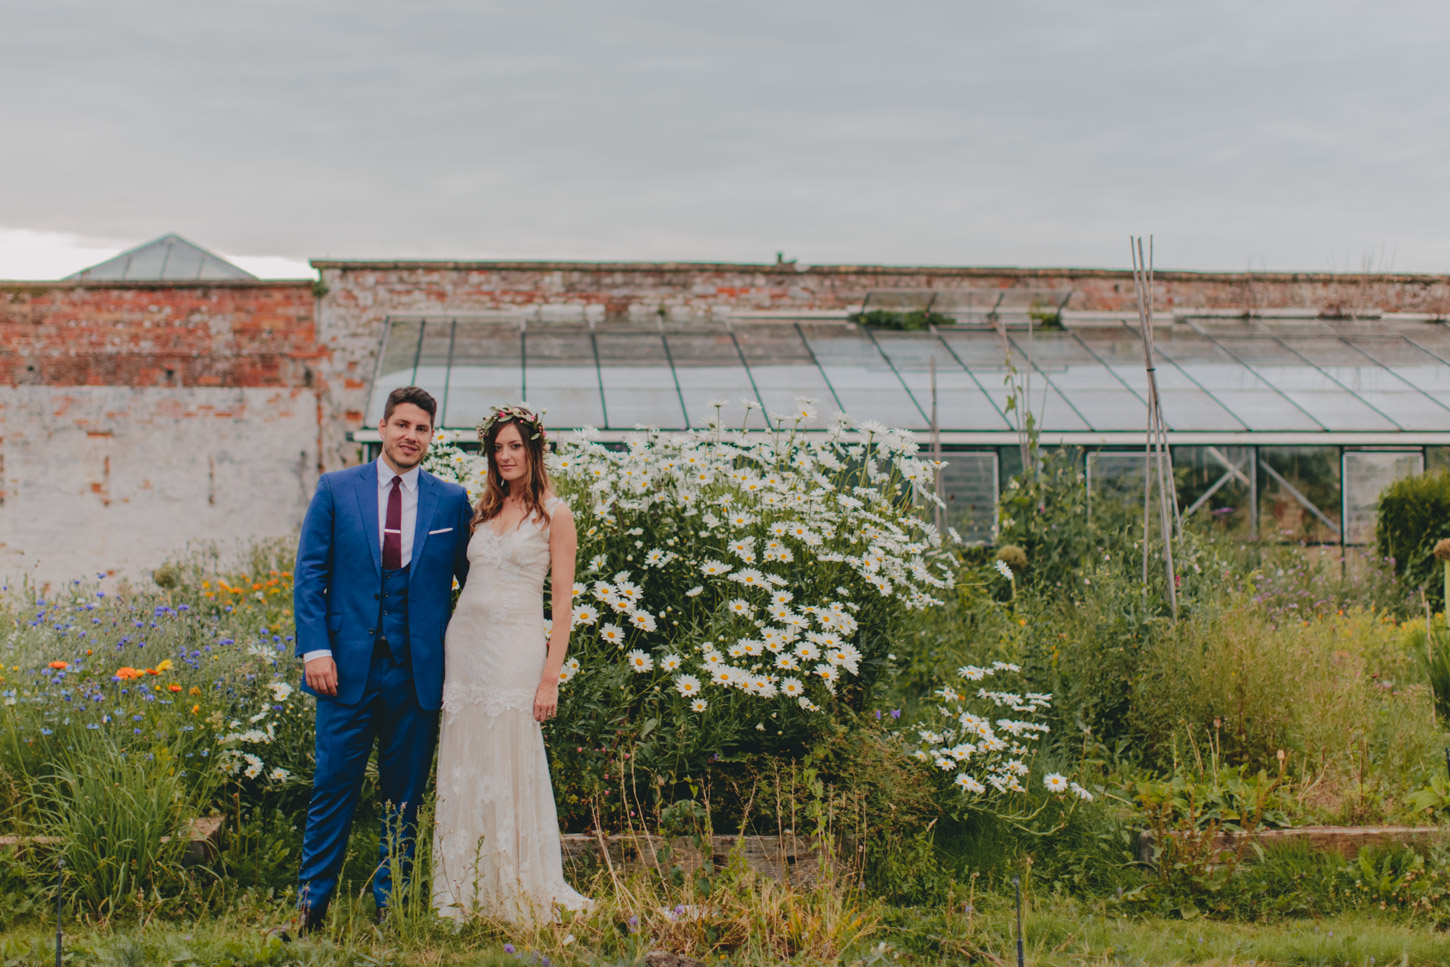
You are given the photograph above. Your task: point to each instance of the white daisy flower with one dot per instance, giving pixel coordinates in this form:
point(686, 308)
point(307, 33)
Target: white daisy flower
point(749, 577)
point(792, 687)
point(968, 784)
point(611, 633)
point(585, 615)
point(670, 663)
point(640, 661)
point(687, 685)
point(699, 705)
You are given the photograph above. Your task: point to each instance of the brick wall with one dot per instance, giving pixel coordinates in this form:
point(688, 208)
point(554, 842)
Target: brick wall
point(140, 419)
point(147, 334)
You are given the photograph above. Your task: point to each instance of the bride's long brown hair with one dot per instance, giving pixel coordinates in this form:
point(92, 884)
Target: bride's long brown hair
point(534, 484)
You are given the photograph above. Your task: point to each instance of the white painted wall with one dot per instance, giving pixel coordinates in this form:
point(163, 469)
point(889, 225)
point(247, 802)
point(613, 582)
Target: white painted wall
point(103, 478)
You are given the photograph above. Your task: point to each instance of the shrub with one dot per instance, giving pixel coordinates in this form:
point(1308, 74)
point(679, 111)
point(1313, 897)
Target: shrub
point(734, 593)
point(1414, 514)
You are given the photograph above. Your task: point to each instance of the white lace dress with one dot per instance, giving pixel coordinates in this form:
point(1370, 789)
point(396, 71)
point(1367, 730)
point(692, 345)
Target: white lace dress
point(496, 839)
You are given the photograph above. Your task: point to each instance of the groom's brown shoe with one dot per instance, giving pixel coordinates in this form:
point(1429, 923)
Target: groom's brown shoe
point(307, 921)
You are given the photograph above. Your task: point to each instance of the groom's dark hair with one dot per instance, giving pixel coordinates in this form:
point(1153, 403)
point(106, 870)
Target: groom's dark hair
point(416, 395)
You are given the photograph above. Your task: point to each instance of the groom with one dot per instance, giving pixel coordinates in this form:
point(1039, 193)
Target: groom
point(380, 547)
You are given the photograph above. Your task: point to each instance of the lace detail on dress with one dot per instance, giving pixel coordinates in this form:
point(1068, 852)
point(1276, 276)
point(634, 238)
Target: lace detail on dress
point(488, 699)
point(496, 836)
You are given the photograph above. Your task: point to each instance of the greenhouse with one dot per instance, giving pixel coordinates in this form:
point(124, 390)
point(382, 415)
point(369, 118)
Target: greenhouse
point(1280, 428)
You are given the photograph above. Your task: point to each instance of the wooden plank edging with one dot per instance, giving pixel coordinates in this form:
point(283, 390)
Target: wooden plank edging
point(203, 840)
point(788, 858)
point(1347, 841)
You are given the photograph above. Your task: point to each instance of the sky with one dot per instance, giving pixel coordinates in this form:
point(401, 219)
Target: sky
point(1273, 134)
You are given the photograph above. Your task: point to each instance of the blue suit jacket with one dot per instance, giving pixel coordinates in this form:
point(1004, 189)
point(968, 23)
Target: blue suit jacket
point(339, 574)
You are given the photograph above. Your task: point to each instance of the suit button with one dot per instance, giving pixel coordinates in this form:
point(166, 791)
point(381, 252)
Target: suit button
point(385, 614)
point(370, 631)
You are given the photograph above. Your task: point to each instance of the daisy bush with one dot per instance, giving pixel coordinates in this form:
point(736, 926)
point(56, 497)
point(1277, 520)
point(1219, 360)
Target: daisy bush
point(735, 589)
point(981, 739)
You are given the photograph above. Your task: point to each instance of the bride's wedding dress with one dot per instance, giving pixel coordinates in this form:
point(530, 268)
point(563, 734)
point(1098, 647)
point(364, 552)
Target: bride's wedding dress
point(496, 840)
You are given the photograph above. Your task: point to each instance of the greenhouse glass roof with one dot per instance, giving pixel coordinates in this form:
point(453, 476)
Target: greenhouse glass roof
point(1219, 378)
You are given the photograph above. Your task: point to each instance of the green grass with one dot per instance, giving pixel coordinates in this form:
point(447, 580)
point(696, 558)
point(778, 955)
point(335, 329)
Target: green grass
point(1058, 932)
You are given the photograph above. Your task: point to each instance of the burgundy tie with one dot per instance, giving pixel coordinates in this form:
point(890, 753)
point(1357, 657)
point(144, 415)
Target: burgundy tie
point(393, 528)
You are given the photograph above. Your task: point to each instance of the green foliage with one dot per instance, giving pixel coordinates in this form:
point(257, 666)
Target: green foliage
point(121, 818)
point(1045, 512)
point(912, 321)
point(1434, 799)
point(1437, 671)
point(1414, 514)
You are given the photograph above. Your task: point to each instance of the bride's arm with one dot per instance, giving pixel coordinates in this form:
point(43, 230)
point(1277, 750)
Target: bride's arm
point(563, 547)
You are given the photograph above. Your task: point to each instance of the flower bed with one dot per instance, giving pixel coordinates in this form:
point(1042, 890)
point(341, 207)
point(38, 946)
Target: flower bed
point(734, 591)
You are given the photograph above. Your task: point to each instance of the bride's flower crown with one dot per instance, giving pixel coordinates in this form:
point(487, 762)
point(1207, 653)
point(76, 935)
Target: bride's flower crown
point(519, 413)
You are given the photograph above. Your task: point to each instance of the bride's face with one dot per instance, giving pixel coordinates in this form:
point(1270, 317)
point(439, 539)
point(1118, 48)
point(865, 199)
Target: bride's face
point(509, 453)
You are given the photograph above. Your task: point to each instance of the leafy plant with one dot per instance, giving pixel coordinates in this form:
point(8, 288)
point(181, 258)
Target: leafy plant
point(1414, 514)
point(912, 321)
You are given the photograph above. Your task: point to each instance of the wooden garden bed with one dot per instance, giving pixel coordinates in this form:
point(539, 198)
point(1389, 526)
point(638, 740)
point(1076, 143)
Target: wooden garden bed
point(203, 838)
point(792, 859)
point(1347, 841)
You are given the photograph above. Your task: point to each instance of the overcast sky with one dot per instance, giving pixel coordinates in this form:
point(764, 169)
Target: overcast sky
point(1297, 134)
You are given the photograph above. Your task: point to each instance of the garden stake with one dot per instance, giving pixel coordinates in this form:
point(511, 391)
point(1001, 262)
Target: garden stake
point(59, 911)
point(1017, 886)
point(1157, 458)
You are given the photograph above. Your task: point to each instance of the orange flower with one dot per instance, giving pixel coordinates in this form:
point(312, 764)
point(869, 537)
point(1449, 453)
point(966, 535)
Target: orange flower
point(152, 671)
point(126, 673)
point(195, 690)
point(195, 709)
point(88, 651)
point(60, 665)
point(173, 687)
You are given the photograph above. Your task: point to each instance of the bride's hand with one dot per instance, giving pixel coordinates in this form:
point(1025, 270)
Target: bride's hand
point(546, 701)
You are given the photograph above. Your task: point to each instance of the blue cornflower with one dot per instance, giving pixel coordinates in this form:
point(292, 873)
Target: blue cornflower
point(45, 731)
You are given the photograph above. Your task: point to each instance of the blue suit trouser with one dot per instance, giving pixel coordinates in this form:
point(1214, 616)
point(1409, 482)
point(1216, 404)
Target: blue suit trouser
point(406, 735)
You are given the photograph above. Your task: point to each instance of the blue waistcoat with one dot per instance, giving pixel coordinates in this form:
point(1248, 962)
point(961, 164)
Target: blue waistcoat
point(393, 613)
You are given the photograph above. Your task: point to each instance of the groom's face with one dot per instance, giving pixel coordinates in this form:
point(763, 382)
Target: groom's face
point(405, 434)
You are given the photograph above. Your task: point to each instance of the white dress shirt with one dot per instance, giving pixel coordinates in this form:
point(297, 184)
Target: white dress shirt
point(409, 491)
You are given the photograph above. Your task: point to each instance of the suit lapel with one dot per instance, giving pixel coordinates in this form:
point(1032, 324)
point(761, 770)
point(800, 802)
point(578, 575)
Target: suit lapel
point(427, 500)
point(367, 508)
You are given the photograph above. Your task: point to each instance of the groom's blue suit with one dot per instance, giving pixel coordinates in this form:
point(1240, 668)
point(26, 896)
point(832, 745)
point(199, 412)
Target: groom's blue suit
point(385, 631)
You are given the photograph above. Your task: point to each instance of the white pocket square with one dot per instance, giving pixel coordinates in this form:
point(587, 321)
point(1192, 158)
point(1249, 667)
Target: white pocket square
point(441, 530)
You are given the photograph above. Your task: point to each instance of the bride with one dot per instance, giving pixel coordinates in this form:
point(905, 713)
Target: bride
point(496, 841)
